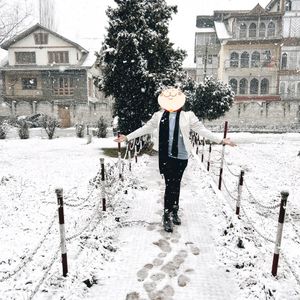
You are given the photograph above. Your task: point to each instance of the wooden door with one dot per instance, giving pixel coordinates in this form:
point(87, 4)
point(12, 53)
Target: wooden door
point(64, 116)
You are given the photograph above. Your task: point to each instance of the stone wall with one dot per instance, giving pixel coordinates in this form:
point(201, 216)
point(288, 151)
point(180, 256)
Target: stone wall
point(79, 112)
point(260, 116)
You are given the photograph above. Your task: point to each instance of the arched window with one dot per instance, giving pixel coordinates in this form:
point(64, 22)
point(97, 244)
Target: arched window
point(252, 30)
point(254, 86)
point(264, 86)
point(291, 90)
point(233, 84)
point(271, 29)
point(284, 58)
point(262, 30)
point(234, 60)
point(288, 5)
point(266, 58)
point(243, 31)
point(244, 86)
point(298, 89)
point(255, 59)
point(282, 89)
point(245, 60)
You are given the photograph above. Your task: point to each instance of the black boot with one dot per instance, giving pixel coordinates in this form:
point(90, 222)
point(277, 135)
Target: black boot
point(167, 221)
point(176, 219)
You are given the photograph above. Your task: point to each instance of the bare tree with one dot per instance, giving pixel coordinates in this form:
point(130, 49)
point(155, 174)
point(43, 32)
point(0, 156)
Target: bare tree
point(13, 16)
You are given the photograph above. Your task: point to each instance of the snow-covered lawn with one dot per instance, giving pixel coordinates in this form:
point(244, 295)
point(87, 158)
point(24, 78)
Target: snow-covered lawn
point(30, 170)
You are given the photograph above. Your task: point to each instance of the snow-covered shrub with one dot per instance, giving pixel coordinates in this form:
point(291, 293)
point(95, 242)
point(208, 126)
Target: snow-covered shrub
point(210, 99)
point(101, 128)
point(4, 127)
point(79, 128)
point(23, 128)
point(49, 124)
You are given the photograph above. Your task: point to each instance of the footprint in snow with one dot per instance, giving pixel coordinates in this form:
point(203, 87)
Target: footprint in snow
point(149, 286)
point(163, 245)
point(157, 262)
point(133, 296)
point(158, 276)
point(151, 227)
point(142, 274)
point(183, 280)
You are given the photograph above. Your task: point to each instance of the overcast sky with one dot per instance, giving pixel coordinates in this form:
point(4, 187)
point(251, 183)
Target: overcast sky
point(85, 20)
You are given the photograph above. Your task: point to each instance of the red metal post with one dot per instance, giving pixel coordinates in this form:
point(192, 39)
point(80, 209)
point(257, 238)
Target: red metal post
point(60, 202)
point(222, 158)
point(240, 188)
point(103, 184)
point(284, 196)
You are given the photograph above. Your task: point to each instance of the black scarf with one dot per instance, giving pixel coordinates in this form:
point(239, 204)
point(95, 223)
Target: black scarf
point(164, 139)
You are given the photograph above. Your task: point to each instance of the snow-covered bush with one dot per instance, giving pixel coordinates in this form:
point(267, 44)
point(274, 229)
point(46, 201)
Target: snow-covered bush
point(210, 99)
point(23, 128)
point(49, 124)
point(4, 127)
point(80, 127)
point(101, 128)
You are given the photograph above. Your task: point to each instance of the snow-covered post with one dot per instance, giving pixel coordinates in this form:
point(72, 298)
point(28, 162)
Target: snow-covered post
point(119, 159)
point(284, 196)
point(197, 144)
point(203, 148)
point(89, 136)
point(209, 156)
point(193, 139)
point(239, 197)
point(135, 153)
point(222, 157)
point(103, 184)
point(60, 202)
point(129, 155)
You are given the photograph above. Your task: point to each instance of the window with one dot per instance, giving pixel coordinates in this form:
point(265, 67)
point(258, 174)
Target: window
point(271, 29)
point(244, 86)
point(209, 59)
point(262, 30)
point(91, 85)
point(255, 59)
point(288, 5)
point(29, 83)
point(245, 60)
point(252, 30)
point(234, 60)
point(264, 86)
point(24, 58)
point(266, 58)
point(254, 86)
point(41, 38)
point(298, 89)
point(284, 61)
point(63, 86)
point(282, 88)
point(243, 31)
point(291, 90)
point(58, 57)
point(233, 84)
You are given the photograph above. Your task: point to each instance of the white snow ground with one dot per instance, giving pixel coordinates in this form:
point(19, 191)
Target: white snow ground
point(124, 252)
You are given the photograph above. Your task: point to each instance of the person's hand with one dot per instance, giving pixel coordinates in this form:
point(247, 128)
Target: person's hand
point(228, 142)
point(121, 138)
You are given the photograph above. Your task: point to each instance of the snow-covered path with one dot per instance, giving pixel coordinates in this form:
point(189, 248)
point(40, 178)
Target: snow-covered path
point(153, 264)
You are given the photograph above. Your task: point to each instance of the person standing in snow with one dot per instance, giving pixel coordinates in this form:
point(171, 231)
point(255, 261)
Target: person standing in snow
point(173, 145)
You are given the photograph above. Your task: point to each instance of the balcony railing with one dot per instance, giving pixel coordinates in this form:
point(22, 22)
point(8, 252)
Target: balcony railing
point(239, 64)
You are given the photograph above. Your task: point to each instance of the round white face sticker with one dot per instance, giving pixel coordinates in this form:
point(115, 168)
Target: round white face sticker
point(171, 99)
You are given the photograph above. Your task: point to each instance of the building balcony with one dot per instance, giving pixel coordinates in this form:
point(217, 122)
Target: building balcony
point(238, 64)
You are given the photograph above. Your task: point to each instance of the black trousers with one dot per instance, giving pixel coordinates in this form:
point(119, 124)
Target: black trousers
point(173, 174)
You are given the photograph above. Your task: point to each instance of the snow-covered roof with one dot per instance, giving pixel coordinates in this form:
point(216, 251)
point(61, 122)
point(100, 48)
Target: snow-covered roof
point(205, 30)
point(221, 31)
point(89, 60)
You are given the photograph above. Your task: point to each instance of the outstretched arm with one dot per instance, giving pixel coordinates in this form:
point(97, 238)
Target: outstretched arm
point(148, 128)
point(199, 128)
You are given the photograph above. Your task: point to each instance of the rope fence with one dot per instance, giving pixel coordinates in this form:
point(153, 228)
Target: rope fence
point(215, 167)
point(109, 180)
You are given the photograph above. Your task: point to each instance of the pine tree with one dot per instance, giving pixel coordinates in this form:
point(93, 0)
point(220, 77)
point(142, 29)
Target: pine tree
point(137, 59)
